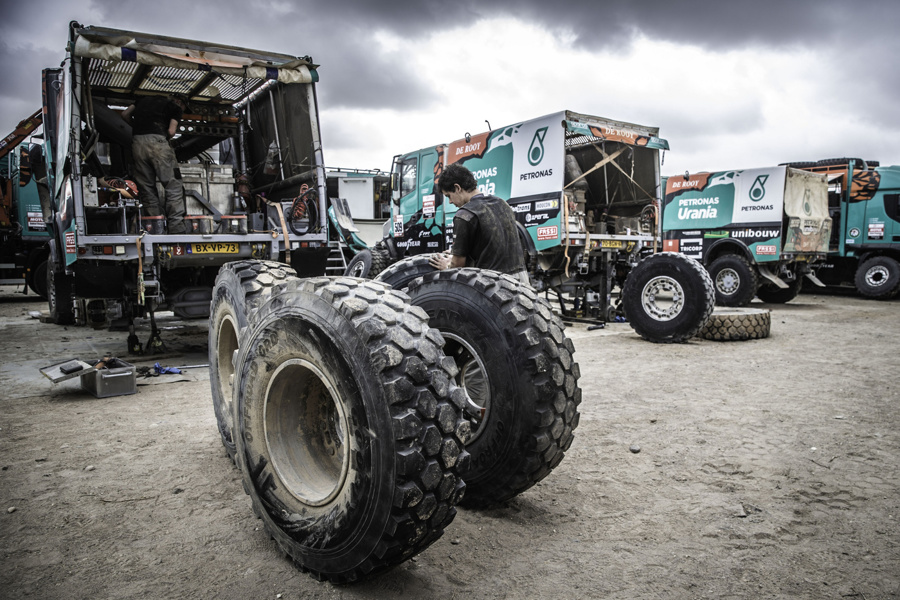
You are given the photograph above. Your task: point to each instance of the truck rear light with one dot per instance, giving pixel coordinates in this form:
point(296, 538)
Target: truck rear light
point(120, 250)
point(107, 249)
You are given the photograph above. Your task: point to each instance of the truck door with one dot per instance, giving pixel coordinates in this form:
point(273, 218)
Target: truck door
point(418, 216)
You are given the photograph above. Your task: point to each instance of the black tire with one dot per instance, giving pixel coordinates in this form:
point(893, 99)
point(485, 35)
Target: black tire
point(737, 324)
point(834, 162)
point(350, 436)
point(772, 294)
point(667, 298)
point(735, 281)
point(38, 280)
point(241, 287)
point(60, 301)
point(401, 273)
point(514, 359)
point(878, 277)
point(367, 263)
point(803, 164)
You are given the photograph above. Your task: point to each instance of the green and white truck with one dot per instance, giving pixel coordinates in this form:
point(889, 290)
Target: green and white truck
point(864, 203)
point(757, 231)
point(585, 191)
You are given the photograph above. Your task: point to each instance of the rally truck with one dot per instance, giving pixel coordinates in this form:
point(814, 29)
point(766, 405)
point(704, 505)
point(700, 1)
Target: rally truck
point(864, 204)
point(759, 232)
point(23, 233)
point(250, 160)
point(584, 190)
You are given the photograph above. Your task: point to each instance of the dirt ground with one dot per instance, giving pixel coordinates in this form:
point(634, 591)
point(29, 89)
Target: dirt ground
point(766, 469)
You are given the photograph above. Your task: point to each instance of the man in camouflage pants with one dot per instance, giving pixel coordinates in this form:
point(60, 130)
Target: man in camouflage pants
point(154, 120)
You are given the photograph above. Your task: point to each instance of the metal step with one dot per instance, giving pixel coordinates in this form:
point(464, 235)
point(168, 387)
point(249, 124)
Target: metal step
point(336, 264)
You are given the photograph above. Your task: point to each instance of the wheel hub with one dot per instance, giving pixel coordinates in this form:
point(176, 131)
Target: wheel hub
point(663, 298)
point(728, 281)
point(877, 276)
point(472, 377)
point(307, 432)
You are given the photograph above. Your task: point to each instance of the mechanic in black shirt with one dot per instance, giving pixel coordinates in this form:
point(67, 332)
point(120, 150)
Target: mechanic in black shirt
point(154, 120)
point(484, 228)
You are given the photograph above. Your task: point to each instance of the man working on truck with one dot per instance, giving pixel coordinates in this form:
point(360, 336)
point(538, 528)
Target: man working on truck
point(154, 120)
point(484, 228)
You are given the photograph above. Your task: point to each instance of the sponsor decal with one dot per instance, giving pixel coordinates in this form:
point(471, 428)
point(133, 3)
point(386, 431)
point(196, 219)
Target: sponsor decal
point(758, 189)
point(697, 208)
point(854, 232)
point(755, 233)
point(536, 150)
point(432, 245)
point(428, 205)
point(765, 249)
point(485, 173)
point(538, 218)
point(876, 231)
point(398, 226)
point(712, 234)
point(36, 221)
point(410, 244)
point(670, 245)
point(524, 207)
point(536, 175)
point(71, 248)
point(546, 205)
point(692, 246)
point(547, 233)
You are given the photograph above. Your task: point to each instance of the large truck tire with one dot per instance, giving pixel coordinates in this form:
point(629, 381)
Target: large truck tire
point(513, 358)
point(772, 294)
point(878, 277)
point(735, 281)
point(668, 297)
point(400, 274)
point(60, 302)
point(731, 324)
point(241, 287)
point(349, 432)
point(367, 263)
point(38, 278)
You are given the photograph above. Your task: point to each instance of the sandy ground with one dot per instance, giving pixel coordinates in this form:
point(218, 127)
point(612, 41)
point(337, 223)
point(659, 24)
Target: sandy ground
point(767, 469)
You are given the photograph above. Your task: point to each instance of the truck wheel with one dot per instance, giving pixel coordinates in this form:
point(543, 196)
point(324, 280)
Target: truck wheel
point(59, 291)
point(735, 280)
point(878, 277)
point(367, 263)
point(38, 279)
point(772, 294)
point(515, 361)
point(240, 288)
point(402, 272)
point(667, 298)
point(350, 436)
point(737, 324)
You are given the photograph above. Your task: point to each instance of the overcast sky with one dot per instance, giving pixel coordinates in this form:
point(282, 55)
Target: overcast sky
point(730, 84)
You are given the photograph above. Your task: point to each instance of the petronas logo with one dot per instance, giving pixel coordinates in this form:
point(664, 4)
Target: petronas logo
point(758, 189)
point(536, 150)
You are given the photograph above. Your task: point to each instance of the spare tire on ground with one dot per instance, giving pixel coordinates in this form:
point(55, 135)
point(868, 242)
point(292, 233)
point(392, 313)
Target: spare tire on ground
point(350, 436)
point(668, 297)
point(735, 324)
point(401, 273)
point(240, 288)
point(516, 363)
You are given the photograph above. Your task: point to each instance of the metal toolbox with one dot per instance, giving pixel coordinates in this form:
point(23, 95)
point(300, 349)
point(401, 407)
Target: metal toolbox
point(119, 380)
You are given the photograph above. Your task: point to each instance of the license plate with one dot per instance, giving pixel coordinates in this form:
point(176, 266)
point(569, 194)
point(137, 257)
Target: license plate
point(612, 244)
point(213, 248)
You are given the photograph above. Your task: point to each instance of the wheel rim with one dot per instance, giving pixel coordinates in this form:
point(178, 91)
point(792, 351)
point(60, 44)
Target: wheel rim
point(728, 281)
point(307, 432)
point(226, 354)
point(663, 298)
point(877, 276)
point(357, 269)
point(472, 377)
